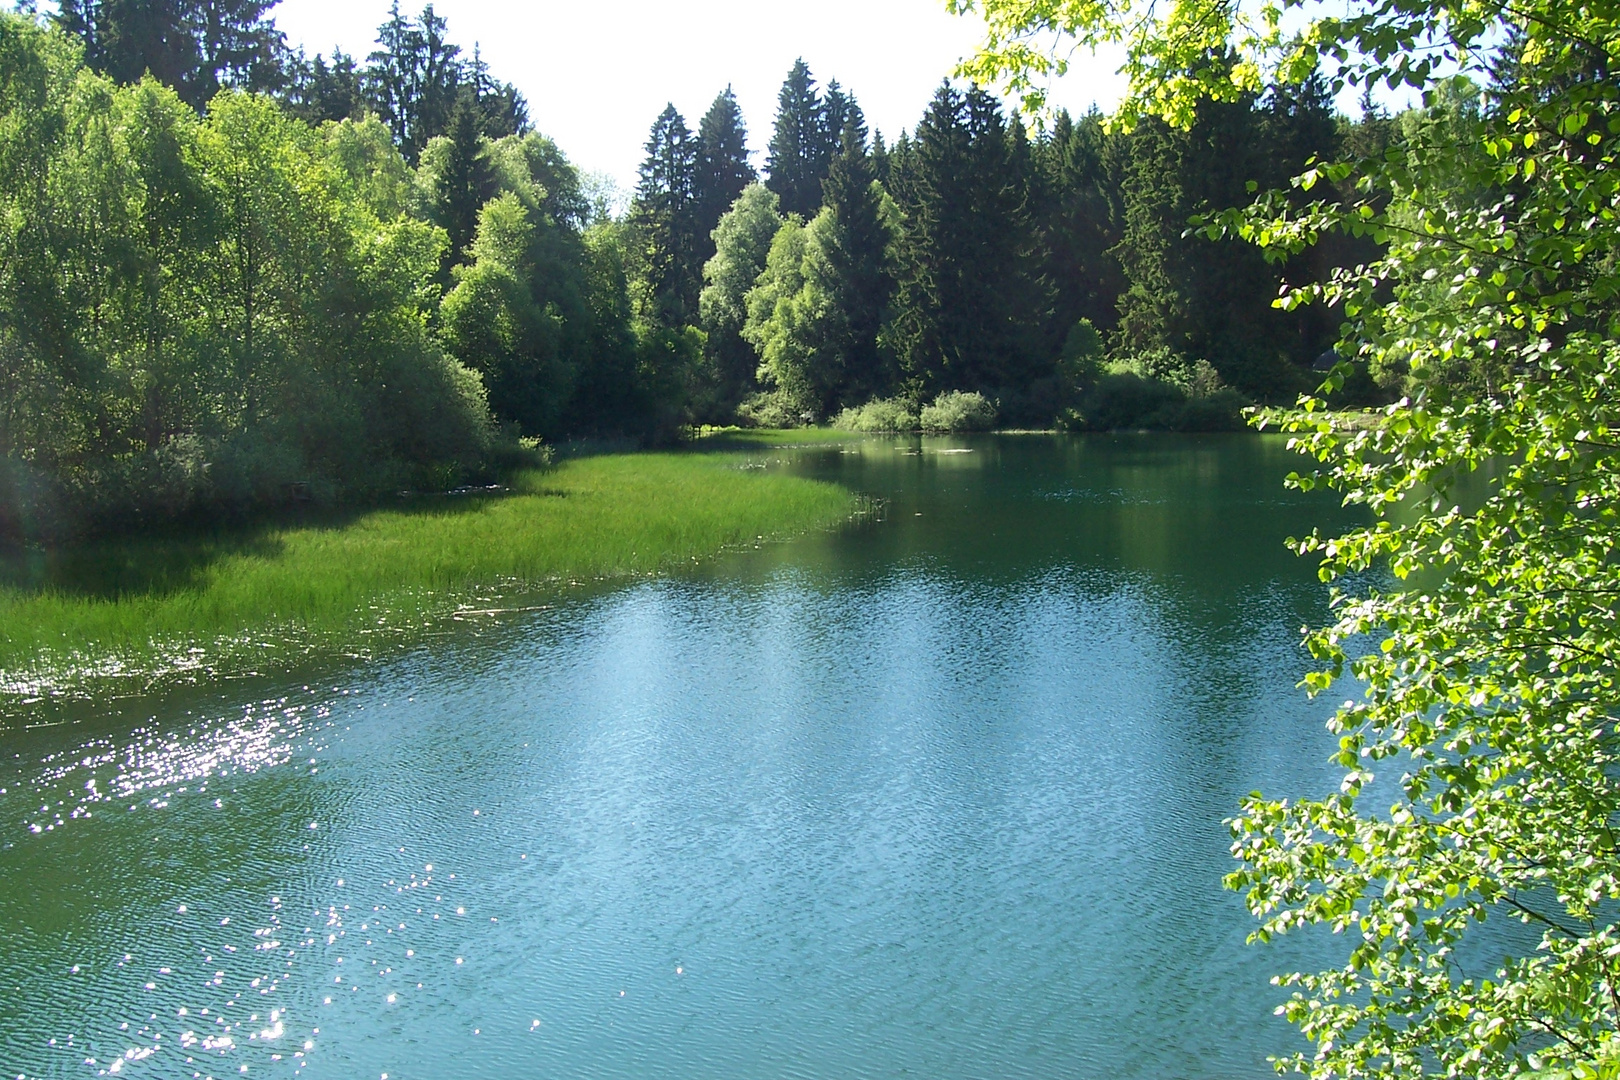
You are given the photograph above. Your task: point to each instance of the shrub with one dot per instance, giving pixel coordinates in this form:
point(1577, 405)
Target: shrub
point(958, 411)
point(770, 409)
point(1220, 411)
point(880, 414)
point(1080, 362)
point(1127, 400)
point(1193, 378)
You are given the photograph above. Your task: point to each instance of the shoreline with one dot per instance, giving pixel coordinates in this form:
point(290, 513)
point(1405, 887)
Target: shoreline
point(147, 612)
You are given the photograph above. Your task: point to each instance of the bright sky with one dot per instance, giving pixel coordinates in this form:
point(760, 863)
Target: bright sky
point(596, 75)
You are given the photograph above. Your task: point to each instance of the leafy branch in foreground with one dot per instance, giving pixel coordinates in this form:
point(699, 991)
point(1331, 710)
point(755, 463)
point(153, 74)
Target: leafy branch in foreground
point(1489, 666)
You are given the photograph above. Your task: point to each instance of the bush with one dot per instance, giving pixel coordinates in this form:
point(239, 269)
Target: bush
point(1220, 411)
point(769, 410)
point(1193, 378)
point(1125, 401)
point(1080, 361)
point(1160, 390)
point(880, 414)
point(958, 411)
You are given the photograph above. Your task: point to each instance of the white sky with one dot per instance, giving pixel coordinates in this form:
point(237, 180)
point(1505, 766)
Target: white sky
point(596, 75)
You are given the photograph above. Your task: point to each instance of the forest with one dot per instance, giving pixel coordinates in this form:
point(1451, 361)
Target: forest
point(232, 275)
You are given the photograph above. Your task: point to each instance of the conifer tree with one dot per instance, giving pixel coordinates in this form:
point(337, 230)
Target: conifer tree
point(1189, 295)
point(413, 78)
point(1078, 209)
point(969, 300)
point(723, 170)
point(237, 45)
point(880, 159)
point(798, 144)
point(465, 181)
point(319, 90)
point(847, 259)
point(840, 113)
point(1154, 308)
point(820, 340)
point(665, 219)
point(502, 111)
point(193, 46)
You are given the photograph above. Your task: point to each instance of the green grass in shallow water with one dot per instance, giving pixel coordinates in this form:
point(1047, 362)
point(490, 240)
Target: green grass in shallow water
point(142, 612)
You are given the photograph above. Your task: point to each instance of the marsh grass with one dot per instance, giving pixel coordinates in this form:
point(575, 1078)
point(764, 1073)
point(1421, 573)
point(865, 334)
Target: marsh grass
point(151, 610)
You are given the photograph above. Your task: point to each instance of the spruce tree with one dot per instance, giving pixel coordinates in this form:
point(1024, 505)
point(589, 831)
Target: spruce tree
point(502, 110)
point(194, 46)
point(880, 159)
point(840, 113)
point(465, 182)
point(1154, 309)
point(1298, 124)
point(665, 220)
point(723, 170)
point(798, 147)
point(413, 78)
point(848, 259)
point(237, 44)
point(969, 300)
point(319, 90)
point(1077, 205)
point(1199, 298)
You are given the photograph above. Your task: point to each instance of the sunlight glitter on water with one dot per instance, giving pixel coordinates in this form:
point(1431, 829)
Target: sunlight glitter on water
point(920, 797)
point(152, 765)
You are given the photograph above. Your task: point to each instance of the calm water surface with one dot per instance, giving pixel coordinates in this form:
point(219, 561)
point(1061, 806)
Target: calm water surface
point(938, 795)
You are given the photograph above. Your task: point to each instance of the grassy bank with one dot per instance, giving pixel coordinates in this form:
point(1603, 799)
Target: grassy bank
point(137, 612)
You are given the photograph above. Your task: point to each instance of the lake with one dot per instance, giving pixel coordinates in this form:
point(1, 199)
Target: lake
point(940, 794)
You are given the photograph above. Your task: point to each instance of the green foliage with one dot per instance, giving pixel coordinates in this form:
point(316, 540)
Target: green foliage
point(722, 170)
point(672, 377)
point(742, 242)
point(1125, 402)
point(1191, 378)
point(494, 323)
point(460, 181)
point(774, 317)
point(878, 415)
point(1189, 294)
point(818, 326)
point(1077, 204)
point(1080, 363)
point(202, 312)
point(969, 303)
point(1476, 613)
point(669, 250)
point(194, 46)
point(802, 144)
point(957, 410)
point(770, 409)
point(415, 80)
point(608, 398)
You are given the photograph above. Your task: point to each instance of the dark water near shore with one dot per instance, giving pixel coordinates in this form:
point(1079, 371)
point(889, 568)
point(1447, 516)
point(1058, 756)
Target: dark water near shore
point(939, 795)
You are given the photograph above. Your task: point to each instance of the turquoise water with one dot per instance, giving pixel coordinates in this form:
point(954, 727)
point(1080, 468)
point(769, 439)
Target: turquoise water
point(936, 795)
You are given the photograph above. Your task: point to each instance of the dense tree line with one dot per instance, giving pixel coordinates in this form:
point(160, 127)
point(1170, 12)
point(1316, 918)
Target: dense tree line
point(226, 306)
point(1055, 275)
point(229, 273)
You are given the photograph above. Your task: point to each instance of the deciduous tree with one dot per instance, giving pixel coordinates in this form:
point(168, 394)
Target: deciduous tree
point(1478, 622)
